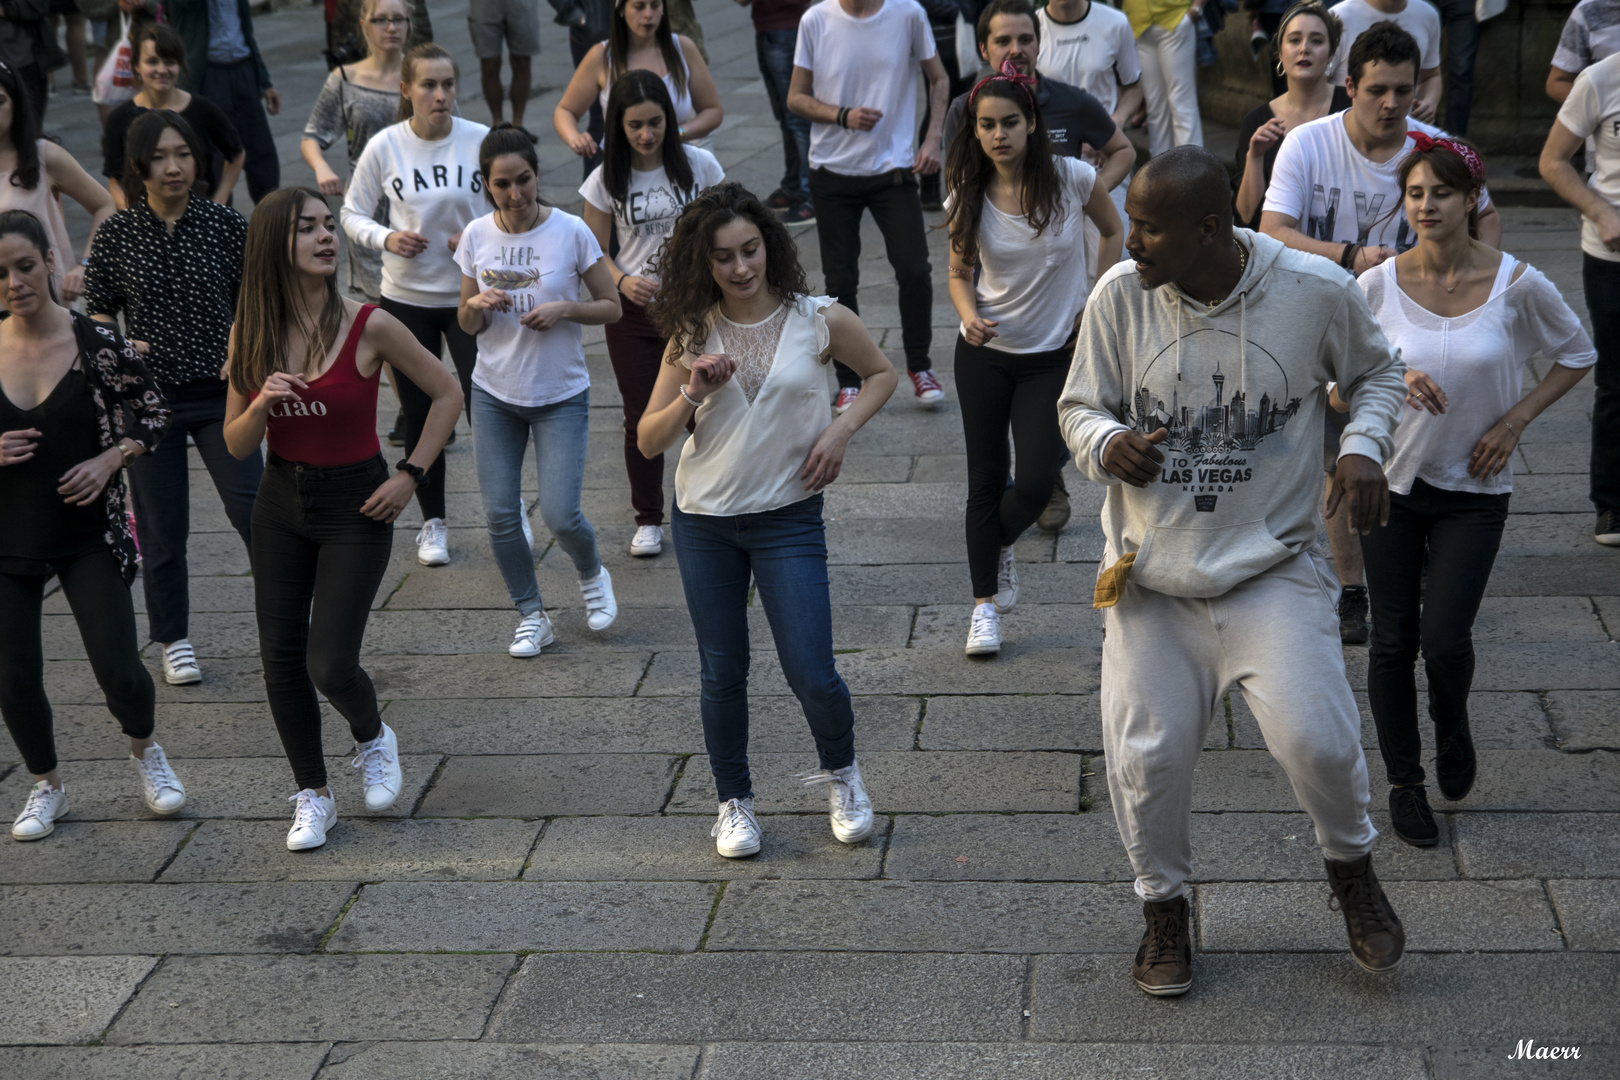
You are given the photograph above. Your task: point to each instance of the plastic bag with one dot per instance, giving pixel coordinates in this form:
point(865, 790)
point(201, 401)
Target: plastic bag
point(115, 82)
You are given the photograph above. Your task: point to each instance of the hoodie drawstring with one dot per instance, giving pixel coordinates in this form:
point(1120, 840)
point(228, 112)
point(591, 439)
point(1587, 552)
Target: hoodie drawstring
point(1178, 338)
point(1243, 353)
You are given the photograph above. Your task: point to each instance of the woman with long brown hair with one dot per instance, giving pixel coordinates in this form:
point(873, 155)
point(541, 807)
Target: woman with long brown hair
point(304, 365)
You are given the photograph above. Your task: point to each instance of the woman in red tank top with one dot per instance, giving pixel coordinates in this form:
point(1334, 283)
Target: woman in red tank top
point(303, 371)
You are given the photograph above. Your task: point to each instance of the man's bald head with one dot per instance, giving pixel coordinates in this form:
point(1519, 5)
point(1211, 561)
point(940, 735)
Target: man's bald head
point(1191, 179)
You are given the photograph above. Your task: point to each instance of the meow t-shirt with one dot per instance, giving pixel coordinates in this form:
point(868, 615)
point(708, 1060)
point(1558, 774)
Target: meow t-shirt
point(651, 204)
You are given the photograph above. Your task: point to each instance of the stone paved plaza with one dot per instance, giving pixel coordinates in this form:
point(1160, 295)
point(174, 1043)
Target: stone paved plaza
point(545, 901)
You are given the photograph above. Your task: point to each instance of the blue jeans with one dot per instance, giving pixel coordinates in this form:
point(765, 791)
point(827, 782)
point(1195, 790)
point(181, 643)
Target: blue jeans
point(559, 463)
point(786, 551)
point(1462, 47)
point(774, 50)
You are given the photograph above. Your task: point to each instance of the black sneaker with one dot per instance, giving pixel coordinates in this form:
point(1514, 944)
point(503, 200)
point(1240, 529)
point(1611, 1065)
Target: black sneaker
point(1607, 532)
point(1454, 764)
point(799, 214)
point(396, 437)
point(1163, 964)
point(1411, 818)
point(1353, 615)
point(780, 200)
point(1377, 939)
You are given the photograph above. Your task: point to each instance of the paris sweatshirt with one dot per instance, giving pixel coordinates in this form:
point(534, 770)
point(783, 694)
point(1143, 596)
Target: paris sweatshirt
point(1241, 389)
point(404, 183)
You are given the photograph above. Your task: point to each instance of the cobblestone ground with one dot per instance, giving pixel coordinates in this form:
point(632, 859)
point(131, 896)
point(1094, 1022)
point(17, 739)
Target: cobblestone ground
point(545, 900)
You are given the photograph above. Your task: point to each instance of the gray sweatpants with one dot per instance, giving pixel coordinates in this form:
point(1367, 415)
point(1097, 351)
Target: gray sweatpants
point(1166, 661)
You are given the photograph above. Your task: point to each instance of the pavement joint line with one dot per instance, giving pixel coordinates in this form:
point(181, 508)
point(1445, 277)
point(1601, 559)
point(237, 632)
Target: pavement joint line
point(1558, 918)
point(714, 912)
point(500, 995)
point(700, 1061)
point(642, 679)
point(883, 855)
point(337, 920)
point(528, 859)
point(100, 1040)
point(175, 854)
point(674, 786)
point(922, 712)
point(1026, 999)
point(438, 771)
point(911, 629)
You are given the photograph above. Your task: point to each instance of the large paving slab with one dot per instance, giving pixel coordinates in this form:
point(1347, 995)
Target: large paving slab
point(1589, 912)
point(65, 999)
point(1585, 719)
point(264, 1061)
point(541, 785)
point(1571, 845)
point(510, 1061)
point(1025, 721)
point(680, 847)
point(907, 671)
point(187, 730)
point(89, 851)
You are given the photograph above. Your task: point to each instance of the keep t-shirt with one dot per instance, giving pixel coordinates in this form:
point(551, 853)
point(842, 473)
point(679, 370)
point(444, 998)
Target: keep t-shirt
point(520, 366)
point(651, 205)
point(1591, 33)
point(1097, 52)
point(1592, 111)
point(1335, 194)
point(1418, 18)
point(870, 63)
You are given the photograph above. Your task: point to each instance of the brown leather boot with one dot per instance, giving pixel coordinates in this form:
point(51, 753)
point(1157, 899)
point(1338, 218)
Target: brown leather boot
point(1163, 964)
point(1377, 938)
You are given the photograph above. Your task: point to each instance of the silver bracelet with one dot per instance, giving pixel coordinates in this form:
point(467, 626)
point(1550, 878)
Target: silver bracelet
point(1509, 426)
point(694, 402)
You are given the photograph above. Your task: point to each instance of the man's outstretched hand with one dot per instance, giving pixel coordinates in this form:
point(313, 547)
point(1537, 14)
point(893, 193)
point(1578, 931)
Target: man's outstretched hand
point(1134, 457)
point(1361, 490)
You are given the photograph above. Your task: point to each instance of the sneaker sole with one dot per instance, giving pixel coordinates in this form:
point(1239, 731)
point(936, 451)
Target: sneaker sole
point(1608, 539)
point(647, 553)
point(1379, 970)
point(379, 809)
point(738, 853)
point(981, 650)
point(36, 836)
point(1460, 796)
point(160, 812)
point(1010, 605)
point(183, 680)
point(855, 838)
point(1418, 843)
point(435, 561)
point(305, 847)
point(1173, 990)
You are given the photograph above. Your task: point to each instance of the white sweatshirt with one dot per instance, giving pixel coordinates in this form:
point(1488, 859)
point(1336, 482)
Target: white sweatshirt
point(1242, 388)
point(432, 188)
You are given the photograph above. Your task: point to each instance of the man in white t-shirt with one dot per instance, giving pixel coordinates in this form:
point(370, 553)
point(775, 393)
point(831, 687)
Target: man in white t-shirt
point(855, 80)
point(1592, 112)
point(1091, 46)
point(1335, 191)
point(1417, 18)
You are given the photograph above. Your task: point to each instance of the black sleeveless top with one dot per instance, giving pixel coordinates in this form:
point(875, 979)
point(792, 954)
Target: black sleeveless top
point(41, 528)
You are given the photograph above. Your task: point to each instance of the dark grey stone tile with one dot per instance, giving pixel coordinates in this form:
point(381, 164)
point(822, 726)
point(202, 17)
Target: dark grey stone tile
point(65, 999)
point(1571, 845)
point(265, 1061)
point(511, 1061)
point(88, 851)
point(546, 784)
point(1027, 721)
point(1589, 912)
point(679, 847)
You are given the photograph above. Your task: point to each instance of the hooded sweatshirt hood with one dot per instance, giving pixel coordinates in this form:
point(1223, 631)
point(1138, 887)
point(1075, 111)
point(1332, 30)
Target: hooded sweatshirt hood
point(1239, 390)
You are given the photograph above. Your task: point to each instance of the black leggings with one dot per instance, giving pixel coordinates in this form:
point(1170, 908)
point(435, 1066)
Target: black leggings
point(95, 590)
point(998, 389)
point(1460, 531)
point(433, 327)
point(317, 565)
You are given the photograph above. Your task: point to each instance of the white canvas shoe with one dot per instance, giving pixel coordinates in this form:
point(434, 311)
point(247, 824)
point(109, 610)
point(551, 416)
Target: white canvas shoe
point(162, 790)
point(313, 817)
point(433, 543)
point(601, 608)
point(736, 831)
point(533, 634)
point(378, 762)
point(1006, 582)
point(180, 664)
point(984, 633)
point(850, 806)
point(38, 819)
point(648, 541)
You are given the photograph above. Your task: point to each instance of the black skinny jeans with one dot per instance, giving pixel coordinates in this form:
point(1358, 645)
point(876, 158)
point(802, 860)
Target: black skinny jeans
point(1602, 281)
point(998, 389)
point(317, 565)
point(95, 590)
point(1460, 532)
point(892, 198)
point(434, 328)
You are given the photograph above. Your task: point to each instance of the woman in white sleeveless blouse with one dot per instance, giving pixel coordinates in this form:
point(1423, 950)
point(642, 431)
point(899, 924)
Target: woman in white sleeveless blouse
point(747, 362)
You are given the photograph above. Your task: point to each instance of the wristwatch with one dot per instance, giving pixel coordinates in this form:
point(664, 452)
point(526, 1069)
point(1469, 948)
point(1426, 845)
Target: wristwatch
point(416, 472)
point(126, 453)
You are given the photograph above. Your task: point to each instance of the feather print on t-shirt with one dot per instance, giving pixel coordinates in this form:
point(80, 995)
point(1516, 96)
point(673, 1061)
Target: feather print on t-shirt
point(494, 278)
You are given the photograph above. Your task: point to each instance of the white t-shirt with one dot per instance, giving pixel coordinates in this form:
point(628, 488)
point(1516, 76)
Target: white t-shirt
point(870, 63)
point(652, 203)
point(520, 366)
point(432, 188)
point(1478, 360)
point(1420, 19)
point(1592, 111)
point(1323, 182)
point(1097, 53)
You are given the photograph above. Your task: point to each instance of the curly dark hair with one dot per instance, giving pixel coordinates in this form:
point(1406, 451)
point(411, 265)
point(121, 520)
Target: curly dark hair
point(969, 171)
point(687, 292)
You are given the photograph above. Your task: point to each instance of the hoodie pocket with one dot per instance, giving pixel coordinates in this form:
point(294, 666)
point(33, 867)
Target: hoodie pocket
point(1205, 561)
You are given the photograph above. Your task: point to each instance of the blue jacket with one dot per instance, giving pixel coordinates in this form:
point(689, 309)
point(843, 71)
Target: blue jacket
point(190, 20)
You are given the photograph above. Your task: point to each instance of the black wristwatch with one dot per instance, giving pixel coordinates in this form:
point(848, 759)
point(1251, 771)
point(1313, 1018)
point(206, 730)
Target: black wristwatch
point(418, 473)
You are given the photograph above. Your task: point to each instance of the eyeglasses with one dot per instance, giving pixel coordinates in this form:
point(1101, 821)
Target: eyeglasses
point(389, 20)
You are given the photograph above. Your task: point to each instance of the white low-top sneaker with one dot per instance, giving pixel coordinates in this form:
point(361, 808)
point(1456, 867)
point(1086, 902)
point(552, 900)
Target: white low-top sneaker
point(180, 664)
point(378, 762)
point(528, 528)
point(984, 633)
point(162, 790)
point(533, 634)
point(736, 830)
point(1006, 582)
point(38, 819)
point(433, 543)
point(313, 817)
point(601, 608)
point(648, 541)
point(851, 808)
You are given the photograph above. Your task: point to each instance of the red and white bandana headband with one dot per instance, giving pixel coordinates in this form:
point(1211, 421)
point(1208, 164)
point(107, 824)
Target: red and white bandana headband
point(1423, 143)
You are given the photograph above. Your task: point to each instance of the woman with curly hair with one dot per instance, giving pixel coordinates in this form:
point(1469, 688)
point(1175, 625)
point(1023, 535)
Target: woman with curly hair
point(747, 363)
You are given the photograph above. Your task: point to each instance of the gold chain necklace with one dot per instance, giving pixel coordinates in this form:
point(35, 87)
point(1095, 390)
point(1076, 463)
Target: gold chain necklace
point(1243, 265)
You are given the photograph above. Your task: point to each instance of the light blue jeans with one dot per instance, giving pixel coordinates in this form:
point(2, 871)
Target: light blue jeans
point(503, 434)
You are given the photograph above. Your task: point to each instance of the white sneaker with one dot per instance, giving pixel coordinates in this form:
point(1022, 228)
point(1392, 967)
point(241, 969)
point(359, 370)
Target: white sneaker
point(533, 634)
point(600, 606)
point(523, 519)
point(649, 540)
point(984, 633)
point(1006, 582)
point(850, 805)
point(378, 762)
point(313, 817)
point(162, 789)
point(180, 664)
point(433, 543)
point(38, 819)
point(736, 831)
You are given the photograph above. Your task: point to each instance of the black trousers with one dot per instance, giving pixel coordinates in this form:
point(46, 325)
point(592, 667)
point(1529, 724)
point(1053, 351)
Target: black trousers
point(317, 565)
point(956, 84)
point(998, 390)
point(595, 124)
point(434, 328)
point(1602, 281)
point(160, 482)
point(1460, 532)
point(235, 89)
point(95, 590)
point(892, 198)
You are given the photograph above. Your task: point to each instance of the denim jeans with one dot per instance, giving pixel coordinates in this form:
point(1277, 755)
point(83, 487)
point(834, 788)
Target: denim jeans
point(1462, 48)
point(774, 50)
point(559, 431)
point(785, 551)
point(1602, 281)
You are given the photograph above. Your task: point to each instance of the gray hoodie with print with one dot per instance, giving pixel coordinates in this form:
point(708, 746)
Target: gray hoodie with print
point(1242, 388)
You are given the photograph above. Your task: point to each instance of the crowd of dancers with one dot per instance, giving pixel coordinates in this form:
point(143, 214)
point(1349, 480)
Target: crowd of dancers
point(1341, 292)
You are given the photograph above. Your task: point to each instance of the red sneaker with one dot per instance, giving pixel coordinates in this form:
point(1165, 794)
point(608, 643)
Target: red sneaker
point(929, 392)
point(846, 397)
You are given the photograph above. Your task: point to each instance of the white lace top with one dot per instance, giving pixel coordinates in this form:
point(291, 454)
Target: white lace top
point(753, 434)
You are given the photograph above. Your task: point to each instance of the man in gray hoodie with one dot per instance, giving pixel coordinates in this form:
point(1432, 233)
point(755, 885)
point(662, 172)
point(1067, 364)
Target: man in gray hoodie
point(1197, 396)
